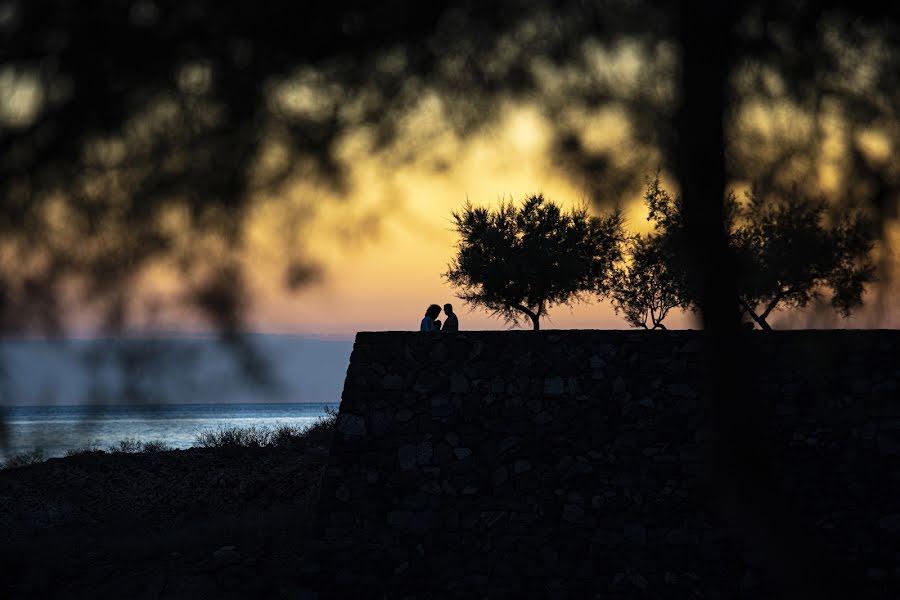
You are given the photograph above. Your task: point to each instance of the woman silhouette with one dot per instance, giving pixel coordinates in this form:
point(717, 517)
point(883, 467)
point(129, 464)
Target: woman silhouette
point(428, 321)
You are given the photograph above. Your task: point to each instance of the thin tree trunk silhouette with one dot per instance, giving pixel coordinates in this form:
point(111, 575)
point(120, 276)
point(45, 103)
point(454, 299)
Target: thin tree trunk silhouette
point(535, 317)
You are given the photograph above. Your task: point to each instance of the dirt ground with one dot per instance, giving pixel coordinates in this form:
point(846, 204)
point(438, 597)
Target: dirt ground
point(198, 523)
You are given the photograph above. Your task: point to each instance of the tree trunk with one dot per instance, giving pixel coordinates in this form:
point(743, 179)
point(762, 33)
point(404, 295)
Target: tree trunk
point(761, 321)
point(743, 480)
point(535, 317)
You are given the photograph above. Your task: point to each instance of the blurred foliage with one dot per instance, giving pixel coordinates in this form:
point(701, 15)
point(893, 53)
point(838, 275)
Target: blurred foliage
point(134, 133)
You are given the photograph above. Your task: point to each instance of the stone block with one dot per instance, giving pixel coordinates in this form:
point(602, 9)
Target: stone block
point(350, 424)
point(554, 386)
point(406, 456)
point(424, 452)
point(462, 453)
point(392, 381)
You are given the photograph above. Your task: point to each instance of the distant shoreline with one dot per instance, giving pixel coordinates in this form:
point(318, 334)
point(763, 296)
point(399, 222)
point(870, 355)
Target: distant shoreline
point(163, 403)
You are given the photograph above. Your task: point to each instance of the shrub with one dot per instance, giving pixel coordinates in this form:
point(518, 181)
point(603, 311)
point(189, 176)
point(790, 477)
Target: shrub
point(286, 436)
point(319, 433)
point(127, 446)
point(282, 436)
point(23, 459)
point(234, 437)
point(155, 446)
point(88, 449)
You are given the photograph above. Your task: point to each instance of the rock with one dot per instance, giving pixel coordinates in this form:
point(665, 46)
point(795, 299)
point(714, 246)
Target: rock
point(572, 513)
point(543, 417)
point(550, 556)
point(682, 390)
point(459, 384)
point(462, 453)
point(399, 518)
point(392, 381)
point(401, 568)
point(423, 522)
point(342, 493)
point(635, 533)
point(553, 386)
point(890, 523)
point(692, 347)
point(227, 555)
point(520, 466)
point(638, 581)
point(679, 537)
point(888, 443)
point(439, 353)
point(885, 386)
point(424, 452)
point(350, 424)
point(500, 476)
point(645, 402)
point(406, 456)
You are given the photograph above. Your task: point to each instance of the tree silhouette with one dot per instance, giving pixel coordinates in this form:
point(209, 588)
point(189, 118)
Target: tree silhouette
point(520, 261)
point(791, 251)
point(786, 250)
point(645, 289)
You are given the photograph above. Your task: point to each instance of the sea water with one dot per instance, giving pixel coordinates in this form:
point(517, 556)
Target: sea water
point(58, 429)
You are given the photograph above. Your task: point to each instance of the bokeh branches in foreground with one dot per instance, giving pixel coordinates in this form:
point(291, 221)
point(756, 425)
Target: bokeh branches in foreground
point(139, 138)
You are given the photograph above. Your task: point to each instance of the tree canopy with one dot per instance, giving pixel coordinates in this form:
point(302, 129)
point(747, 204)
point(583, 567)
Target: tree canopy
point(644, 288)
point(793, 250)
point(519, 261)
point(786, 250)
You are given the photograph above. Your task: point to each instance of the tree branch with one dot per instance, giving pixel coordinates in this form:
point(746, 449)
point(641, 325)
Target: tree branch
point(759, 321)
point(535, 317)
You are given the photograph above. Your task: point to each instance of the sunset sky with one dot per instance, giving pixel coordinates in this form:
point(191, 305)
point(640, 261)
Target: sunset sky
point(380, 246)
point(384, 279)
point(411, 147)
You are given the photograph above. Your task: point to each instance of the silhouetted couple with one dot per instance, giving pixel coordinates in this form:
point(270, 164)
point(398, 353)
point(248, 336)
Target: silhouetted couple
point(430, 321)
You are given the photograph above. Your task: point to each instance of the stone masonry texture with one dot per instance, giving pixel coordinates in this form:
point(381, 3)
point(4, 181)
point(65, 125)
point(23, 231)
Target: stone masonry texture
point(570, 464)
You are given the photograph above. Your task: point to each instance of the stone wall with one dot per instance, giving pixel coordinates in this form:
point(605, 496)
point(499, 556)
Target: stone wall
point(571, 463)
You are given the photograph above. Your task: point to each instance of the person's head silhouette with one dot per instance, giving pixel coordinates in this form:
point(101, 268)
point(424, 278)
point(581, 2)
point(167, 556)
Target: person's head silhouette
point(433, 311)
point(452, 322)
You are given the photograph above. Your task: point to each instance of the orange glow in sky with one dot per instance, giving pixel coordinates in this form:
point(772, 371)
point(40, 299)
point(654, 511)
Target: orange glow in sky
point(383, 244)
point(384, 281)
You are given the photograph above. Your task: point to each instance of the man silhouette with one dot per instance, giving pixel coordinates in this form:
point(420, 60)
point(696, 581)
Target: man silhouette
point(451, 323)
